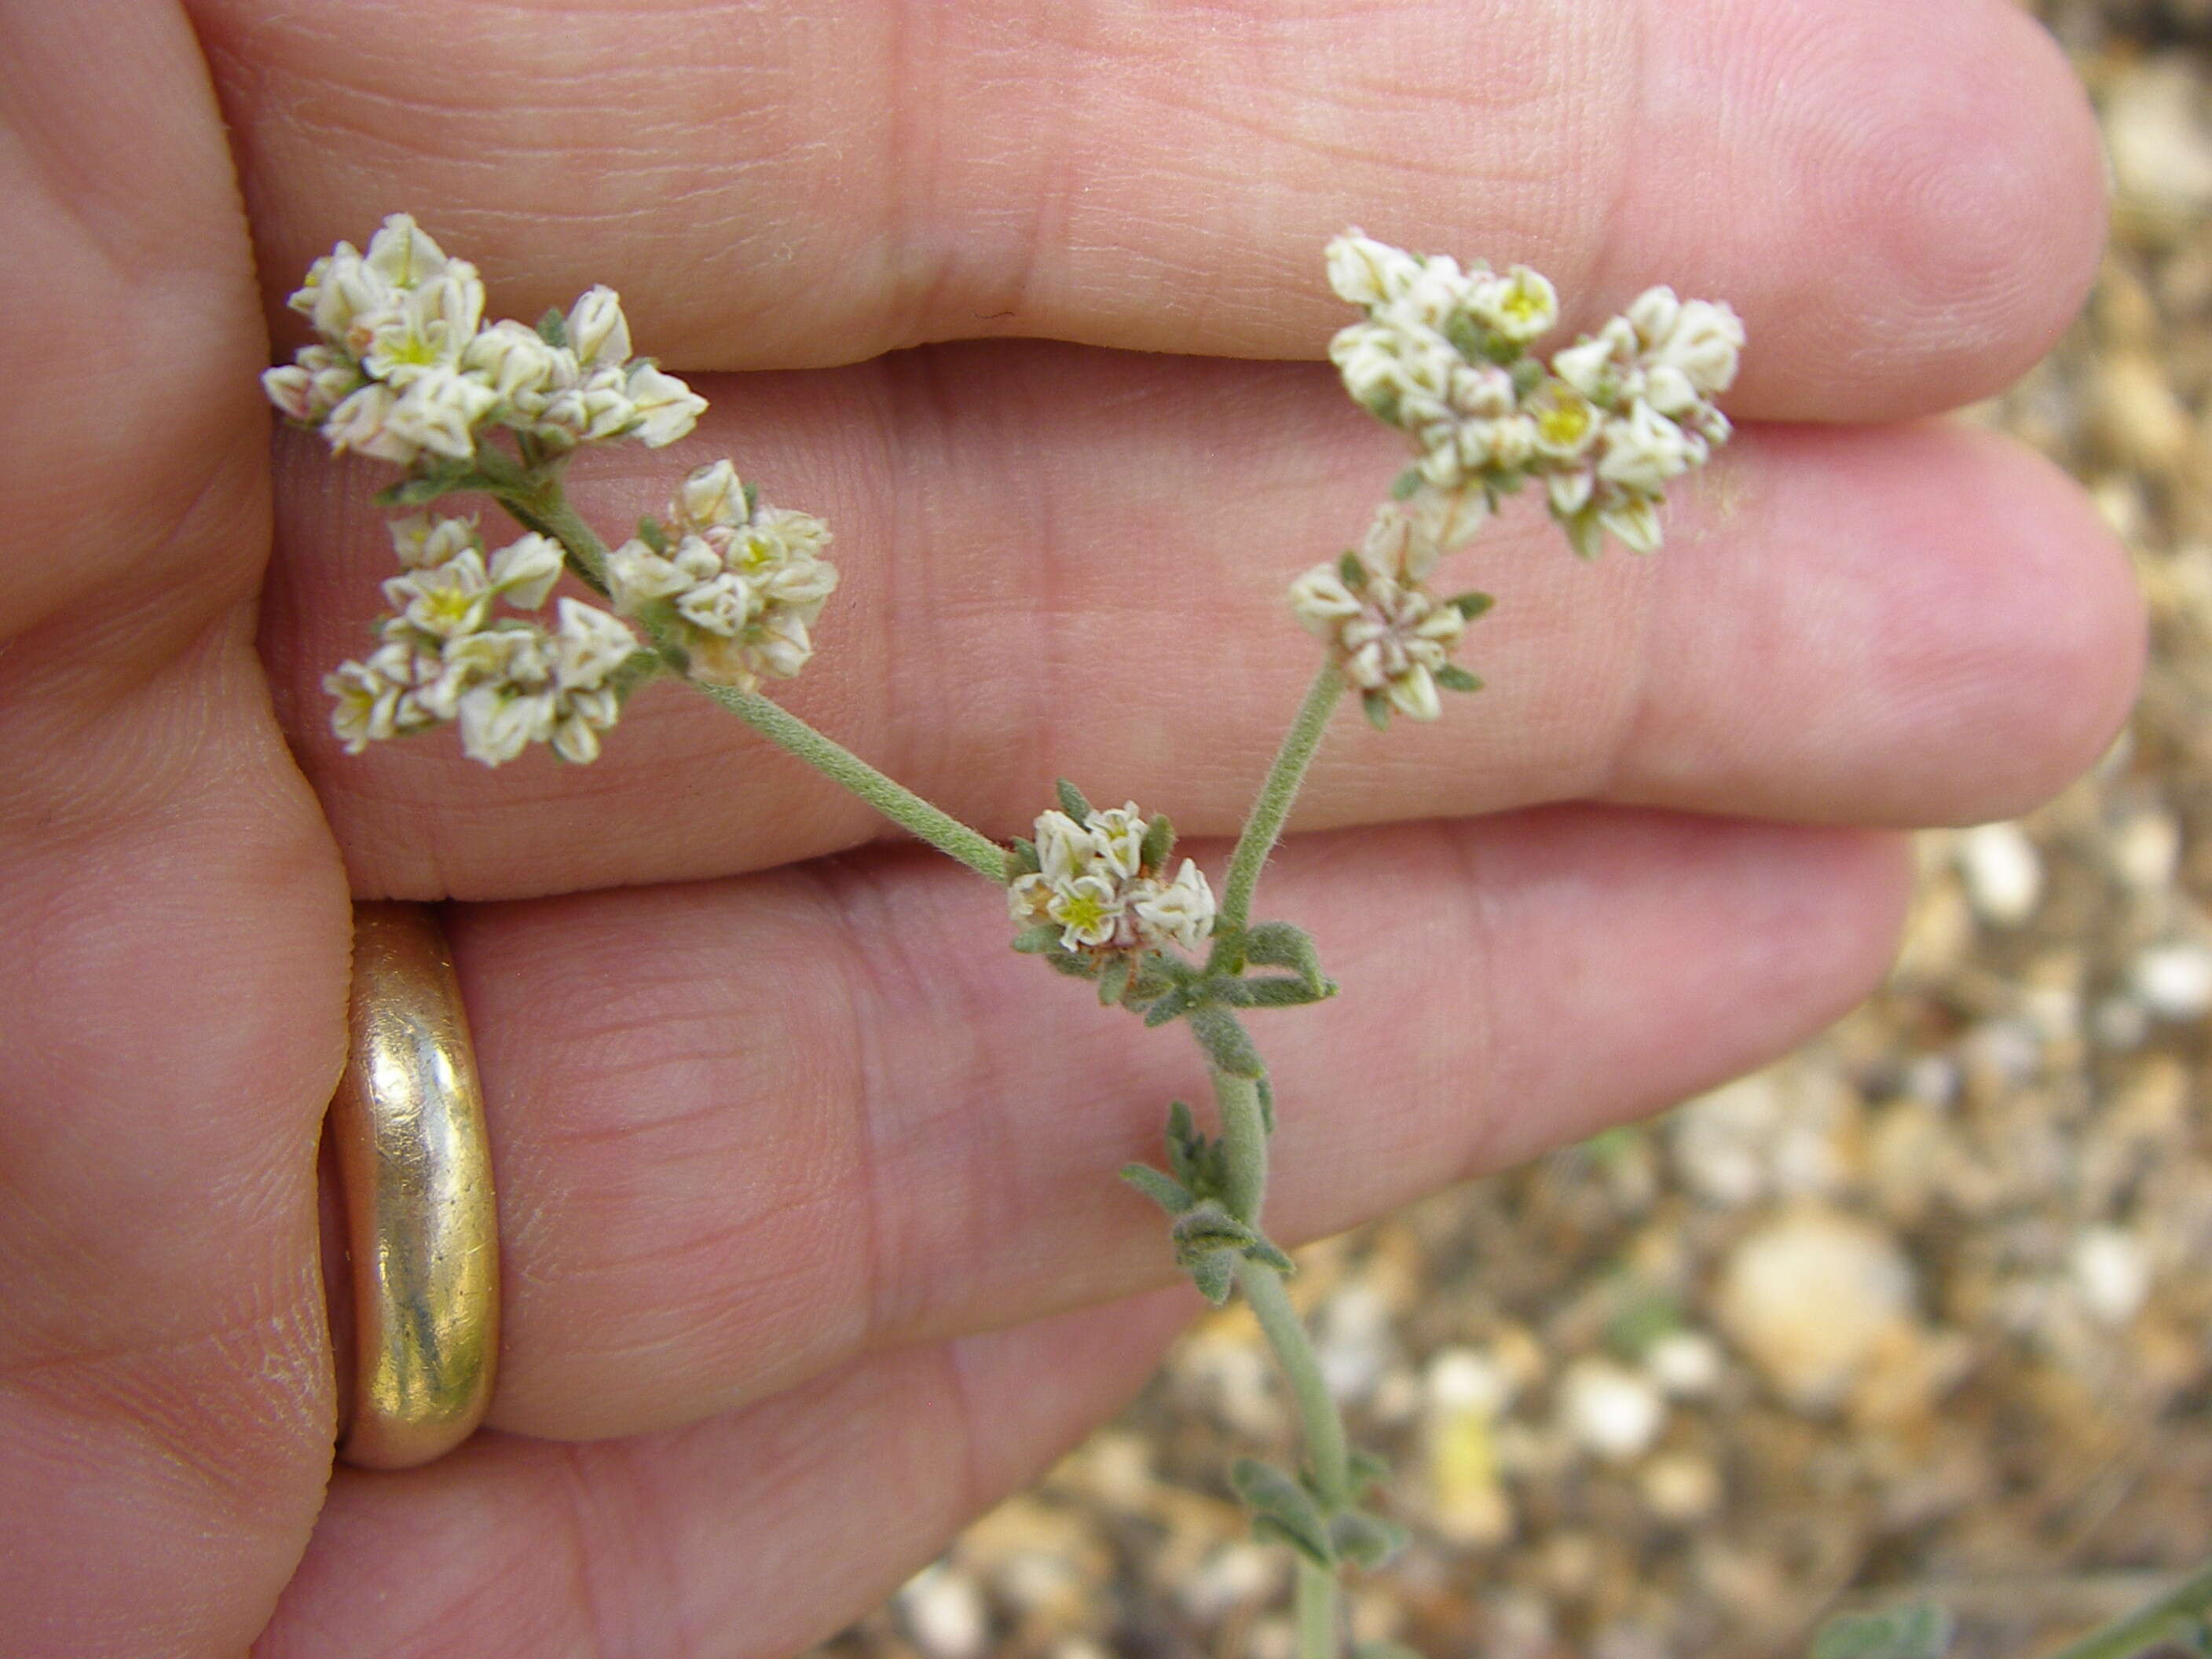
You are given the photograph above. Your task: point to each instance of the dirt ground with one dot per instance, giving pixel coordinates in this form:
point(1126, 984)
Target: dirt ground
point(1921, 1310)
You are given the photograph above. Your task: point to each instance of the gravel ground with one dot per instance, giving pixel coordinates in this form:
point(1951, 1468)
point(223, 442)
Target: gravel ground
point(1920, 1310)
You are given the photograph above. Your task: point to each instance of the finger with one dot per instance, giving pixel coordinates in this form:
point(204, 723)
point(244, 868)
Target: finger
point(745, 1130)
point(1906, 215)
point(749, 1536)
point(1059, 561)
point(171, 994)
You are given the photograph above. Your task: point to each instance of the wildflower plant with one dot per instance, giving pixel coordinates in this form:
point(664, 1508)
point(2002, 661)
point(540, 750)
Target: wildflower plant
point(724, 591)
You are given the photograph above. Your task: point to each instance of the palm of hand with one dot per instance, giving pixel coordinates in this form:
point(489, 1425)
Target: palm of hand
point(803, 1218)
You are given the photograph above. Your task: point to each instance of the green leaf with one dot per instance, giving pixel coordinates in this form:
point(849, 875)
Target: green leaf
point(650, 532)
point(1918, 1630)
point(1072, 801)
point(1174, 1004)
point(1453, 677)
point(1164, 1190)
point(553, 329)
point(1037, 940)
point(1267, 1105)
point(1022, 859)
point(1279, 945)
point(1265, 1250)
point(1471, 605)
point(1271, 991)
point(752, 499)
point(1227, 1046)
point(1367, 1540)
point(1112, 982)
point(1186, 1146)
point(1376, 708)
point(1404, 483)
point(1073, 963)
point(1207, 1228)
point(1283, 1509)
point(1159, 843)
point(1215, 1276)
point(1367, 1471)
point(1353, 569)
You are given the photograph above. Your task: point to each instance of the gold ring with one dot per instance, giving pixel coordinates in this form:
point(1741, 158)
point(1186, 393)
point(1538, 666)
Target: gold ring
point(413, 1161)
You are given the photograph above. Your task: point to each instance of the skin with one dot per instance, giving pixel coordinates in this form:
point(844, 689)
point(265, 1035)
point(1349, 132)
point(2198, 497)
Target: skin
point(810, 1248)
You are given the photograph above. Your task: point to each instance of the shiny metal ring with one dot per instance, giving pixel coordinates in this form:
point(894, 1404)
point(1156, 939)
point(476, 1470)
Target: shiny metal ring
point(407, 1124)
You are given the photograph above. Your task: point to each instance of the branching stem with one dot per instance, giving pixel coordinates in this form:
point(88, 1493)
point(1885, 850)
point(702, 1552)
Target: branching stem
point(1273, 808)
point(537, 500)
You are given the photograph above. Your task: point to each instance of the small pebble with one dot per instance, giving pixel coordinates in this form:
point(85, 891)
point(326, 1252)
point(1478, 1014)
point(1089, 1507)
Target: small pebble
point(1680, 1487)
point(944, 1613)
point(2174, 981)
point(1686, 1365)
point(1810, 1297)
point(2003, 871)
point(1611, 1411)
point(2111, 1273)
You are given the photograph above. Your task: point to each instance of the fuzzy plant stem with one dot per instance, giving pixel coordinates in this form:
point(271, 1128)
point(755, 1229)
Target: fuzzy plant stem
point(1270, 812)
point(1244, 1140)
point(1317, 1606)
point(536, 499)
point(2191, 1600)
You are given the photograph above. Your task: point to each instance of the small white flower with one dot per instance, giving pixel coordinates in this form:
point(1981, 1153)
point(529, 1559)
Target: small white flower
point(498, 722)
point(515, 364)
point(1117, 837)
point(522, 572)
point(588, 646)
point(598, 331)
point(1367, 272)
point(1089, 910)
point(1065, 848)
point(1181, 912)
point(713, 496)
point(424, 541)
point(1321, 599)
point(1520, 305)
point(444, 601)
point(722, 604)
point(1644, 451)
point(664, 408)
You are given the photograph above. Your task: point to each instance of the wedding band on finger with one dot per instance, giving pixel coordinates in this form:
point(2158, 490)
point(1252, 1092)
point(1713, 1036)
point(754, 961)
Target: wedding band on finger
point(413, 1161)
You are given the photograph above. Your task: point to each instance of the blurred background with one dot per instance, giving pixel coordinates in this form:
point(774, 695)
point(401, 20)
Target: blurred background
point(1924, 1310)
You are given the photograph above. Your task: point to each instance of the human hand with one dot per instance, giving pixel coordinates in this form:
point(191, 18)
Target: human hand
point(812, 1248)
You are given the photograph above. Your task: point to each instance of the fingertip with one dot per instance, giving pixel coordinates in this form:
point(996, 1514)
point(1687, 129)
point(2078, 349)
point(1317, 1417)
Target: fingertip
point(1982, 202)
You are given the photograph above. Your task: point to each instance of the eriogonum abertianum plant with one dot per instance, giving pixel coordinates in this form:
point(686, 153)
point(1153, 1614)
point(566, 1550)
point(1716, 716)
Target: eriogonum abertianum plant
point(725, 592)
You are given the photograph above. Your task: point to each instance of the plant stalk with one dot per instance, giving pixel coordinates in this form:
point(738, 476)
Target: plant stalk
point(1277, 793)
point(537, 500)
point(1316, 1612)
point(2132, 1632)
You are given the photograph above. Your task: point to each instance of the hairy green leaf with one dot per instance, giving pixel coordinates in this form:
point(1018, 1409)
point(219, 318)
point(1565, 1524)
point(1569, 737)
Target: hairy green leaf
point(1215, 1276)
point(1376, 708)
point(553, 329)
point(1353, 571)
point(1021, 859)
point(1164, 1190)
point(1112, 982)
point(1038, 940)
point(1227, 1046)
point(1159, 843)
point(1453, 677)
point(1207, 1228)
point(1918, 1630)
point(1274, 1498)
point(1365, 1539)
point(1072, 801)
point(1281, 944)
point(1471, 605)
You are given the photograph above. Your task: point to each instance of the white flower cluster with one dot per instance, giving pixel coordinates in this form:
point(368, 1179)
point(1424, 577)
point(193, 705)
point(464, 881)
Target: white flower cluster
point(405, 367)
point(741, 584)
point(445, 656)
point(1391, 637)
point(1444, 356)
point(1093, 885)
